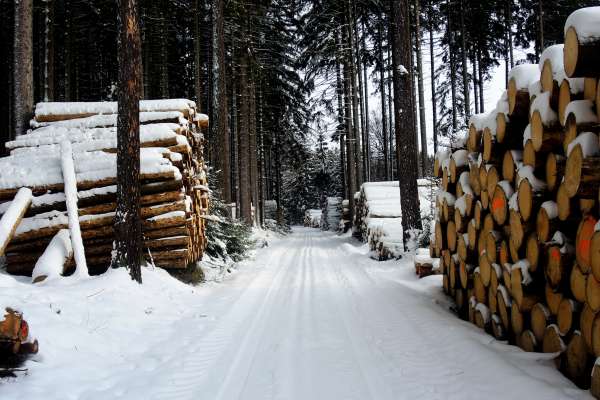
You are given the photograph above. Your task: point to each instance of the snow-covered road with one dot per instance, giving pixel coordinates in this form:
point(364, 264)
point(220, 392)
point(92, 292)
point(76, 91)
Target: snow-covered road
point(311, 318)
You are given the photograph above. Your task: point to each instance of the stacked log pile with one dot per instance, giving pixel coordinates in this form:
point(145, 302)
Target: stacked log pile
point(332, 212)
point(174, 192)
point(312, 218)
point(517, 215)
point(346, 217)
point(377, 216)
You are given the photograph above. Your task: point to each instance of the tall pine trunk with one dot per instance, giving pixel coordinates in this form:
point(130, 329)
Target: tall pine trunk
point(348, 123)
point(452, 68)
point(354, 97)
point(480, 81)
point(22, 101)
point(423, 127)
point(220, 123)
point(197, 57)
point(432, 71)
point(406, 148)
point(128, 232)
point(49, 51)
point(384, 118)
point(244, 166)
point(340, 120)
point(465, 76)
point(367, 141)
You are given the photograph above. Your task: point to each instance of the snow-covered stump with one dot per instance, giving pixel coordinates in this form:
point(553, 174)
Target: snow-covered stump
point(12, 217)
point(174, 191)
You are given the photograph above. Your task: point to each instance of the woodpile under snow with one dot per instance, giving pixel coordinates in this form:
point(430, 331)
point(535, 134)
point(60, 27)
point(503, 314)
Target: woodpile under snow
point(332, 213)
point(517, 215)
point(377, 216)
point(312, 218)
point(61, 179)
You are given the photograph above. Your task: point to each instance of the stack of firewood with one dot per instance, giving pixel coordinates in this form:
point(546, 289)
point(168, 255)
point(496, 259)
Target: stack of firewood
point(174, 192)
point(517, 216)
point(332, 210)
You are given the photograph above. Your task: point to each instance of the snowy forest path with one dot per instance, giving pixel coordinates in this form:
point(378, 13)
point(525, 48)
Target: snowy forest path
point(317, 319)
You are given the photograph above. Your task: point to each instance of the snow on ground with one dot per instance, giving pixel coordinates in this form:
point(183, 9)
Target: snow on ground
point(311, 317)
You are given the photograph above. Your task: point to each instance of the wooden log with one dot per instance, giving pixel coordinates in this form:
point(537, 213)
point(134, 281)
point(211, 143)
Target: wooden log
point(518, 319)
point(545, 138)
point(582, 174)
point(492, 179)
point(589, 88)
point(567, 207)
point(13, 217)
point(567, 319)
point(540, 319)
point(493, 241)
point(586, 322)
point(483, 317)
point(499, 206)
point(577, 361)
point(509, 164)
point(480, 291)
point(451, 235)
point(575, 126)
point(519, 229)
point(533, 159)
point(528, 342)
point(583, 241)
point(497, 328)
point(525, 290)
point(472, 235)
point(509, 130)
point(474, 178)
point(581, 57)
point(555, 170)
point(595, 384)
point(492, 150)
point(474, 139)
point(466, 275)
point(559, 264)
point(568, 91)
point(553, 343)
point(518, 99)
point(461, 301)
point(592, 293)
point(459, 163)
point(530, 196)
point(535, 252)
point(464, 252)
point(578, 283)
point(504, 303)
point(596, 335)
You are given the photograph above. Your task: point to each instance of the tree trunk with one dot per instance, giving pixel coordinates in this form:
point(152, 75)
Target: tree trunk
point(340, 127)
point(220, 123)
point(197, 58)
point(390, 108)
point(164, 53)
point(253, 146)
point(463, 48)
point(480, 81)
point(22, 101)
point(350, 132)
point(541, 25)
point(424, 159)
point(384, 119)
point(244, 139)
point(405, 139)
point(354, 97)
point(367, 141)
point(128, 232)
point(452, 67)
point(49, 51)
point(433, 97)
point(475, 84)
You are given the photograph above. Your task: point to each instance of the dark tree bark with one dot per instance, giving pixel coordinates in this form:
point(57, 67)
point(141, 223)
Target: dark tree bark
point(197, 57)
point(244, 140)
point(463, 48)
point(406, 148)
point(423, 124)
point(22, 102)
point(164, 53)
point(480, 81)
point(367, 141)
point(452, 67)
point(432, 65)
point(384, 117)
point(475, 83)
point(219, 123)
point(348, 123)
point(49, 51)
point(340, 127)
point(128, 233)
point(354, 96)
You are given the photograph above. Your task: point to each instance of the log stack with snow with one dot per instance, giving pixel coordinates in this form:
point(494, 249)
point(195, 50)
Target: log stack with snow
point(332, 212)
point(517, 214)
point(377, 216)
point(66, 166)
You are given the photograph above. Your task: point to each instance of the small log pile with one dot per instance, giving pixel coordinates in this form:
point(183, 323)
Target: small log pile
point(15, 338)
point(377, 216)
point(425, 265)
point(174, 192)
point(332, 212)
point(346, 217)
point(312, 218)
point(517, 214)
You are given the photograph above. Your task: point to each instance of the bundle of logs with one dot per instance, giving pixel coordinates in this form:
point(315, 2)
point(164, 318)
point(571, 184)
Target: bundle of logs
point(517, 226)
point(174, 192)
point(332, 210)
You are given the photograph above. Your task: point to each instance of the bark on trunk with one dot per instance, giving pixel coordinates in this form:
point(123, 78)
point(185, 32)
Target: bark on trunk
point(219, 100)
point(403, 105)
point(463, 47)
point(432, 63)
point(423, 127)
point(384, 117)
point(22, 67)
point(128, 230)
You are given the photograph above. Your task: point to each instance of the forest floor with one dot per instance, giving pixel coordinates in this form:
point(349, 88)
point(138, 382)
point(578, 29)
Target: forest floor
point(311, 316)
